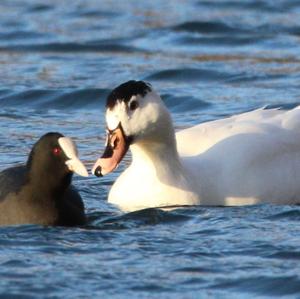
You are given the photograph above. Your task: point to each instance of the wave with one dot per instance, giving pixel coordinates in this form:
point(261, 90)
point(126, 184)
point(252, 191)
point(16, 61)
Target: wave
point(189, 74)
point(150, 216)
point(264, 285)
point(229, 40)
point(220, 33)
point(55, 99)
point(184, 103)
point(21, 35)
point(255, 5)
point(71, 47)
point(290, 215)
point(208, 27)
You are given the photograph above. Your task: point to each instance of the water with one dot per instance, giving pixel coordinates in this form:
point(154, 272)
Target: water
point(208, 59)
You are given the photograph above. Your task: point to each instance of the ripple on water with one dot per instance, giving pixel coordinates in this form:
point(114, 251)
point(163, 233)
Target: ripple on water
point(189, 74)
point(21, 35)
point(253, 5)
point(277, 285)
point(71, 47)
point(184, 103)
point(291, 215)
point(39, 8)
point(208, 27)
point(58, 99)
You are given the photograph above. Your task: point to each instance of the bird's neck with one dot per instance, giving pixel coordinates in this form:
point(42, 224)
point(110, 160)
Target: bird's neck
point(155, 178)
point(49, 185)
point(157, 157)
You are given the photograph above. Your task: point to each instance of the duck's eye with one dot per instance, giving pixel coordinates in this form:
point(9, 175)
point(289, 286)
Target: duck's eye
point(56, 151)
point(133, 105)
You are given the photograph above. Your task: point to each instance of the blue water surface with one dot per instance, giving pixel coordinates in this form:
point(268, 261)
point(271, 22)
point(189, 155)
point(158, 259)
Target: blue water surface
point(208, 59)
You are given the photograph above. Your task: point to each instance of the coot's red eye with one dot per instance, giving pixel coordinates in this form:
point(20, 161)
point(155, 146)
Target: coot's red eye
point(56, 151)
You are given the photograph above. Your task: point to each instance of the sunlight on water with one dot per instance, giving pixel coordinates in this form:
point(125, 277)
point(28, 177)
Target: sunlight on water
point(208, 60)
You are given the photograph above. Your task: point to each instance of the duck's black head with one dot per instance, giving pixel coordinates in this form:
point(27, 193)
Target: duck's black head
point(135, 115)
point(125, 92)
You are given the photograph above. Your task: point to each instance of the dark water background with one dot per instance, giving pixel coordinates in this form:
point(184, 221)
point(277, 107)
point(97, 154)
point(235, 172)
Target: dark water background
point(209, 59)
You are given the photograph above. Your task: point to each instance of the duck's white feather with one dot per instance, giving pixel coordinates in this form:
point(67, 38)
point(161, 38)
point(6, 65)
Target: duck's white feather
point(249, 158)
point(199, 138)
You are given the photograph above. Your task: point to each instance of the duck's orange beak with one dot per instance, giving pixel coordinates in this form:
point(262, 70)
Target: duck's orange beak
point(116, 147)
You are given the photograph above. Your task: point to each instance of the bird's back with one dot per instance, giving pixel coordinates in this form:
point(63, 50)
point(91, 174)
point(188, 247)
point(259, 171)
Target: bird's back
point(198, 139)
point(18, 203)
point(11, 180)
point(249, 158)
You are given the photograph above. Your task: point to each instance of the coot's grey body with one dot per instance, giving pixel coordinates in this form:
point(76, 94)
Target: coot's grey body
point(40, 192)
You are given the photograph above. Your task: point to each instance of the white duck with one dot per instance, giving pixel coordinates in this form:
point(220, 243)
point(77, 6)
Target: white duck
point(245, 159)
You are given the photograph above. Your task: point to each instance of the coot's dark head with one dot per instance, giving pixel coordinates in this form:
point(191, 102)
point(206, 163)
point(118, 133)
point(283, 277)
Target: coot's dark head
point(54, 158)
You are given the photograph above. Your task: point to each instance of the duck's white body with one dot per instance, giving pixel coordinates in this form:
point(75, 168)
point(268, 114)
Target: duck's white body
point(245, 159)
